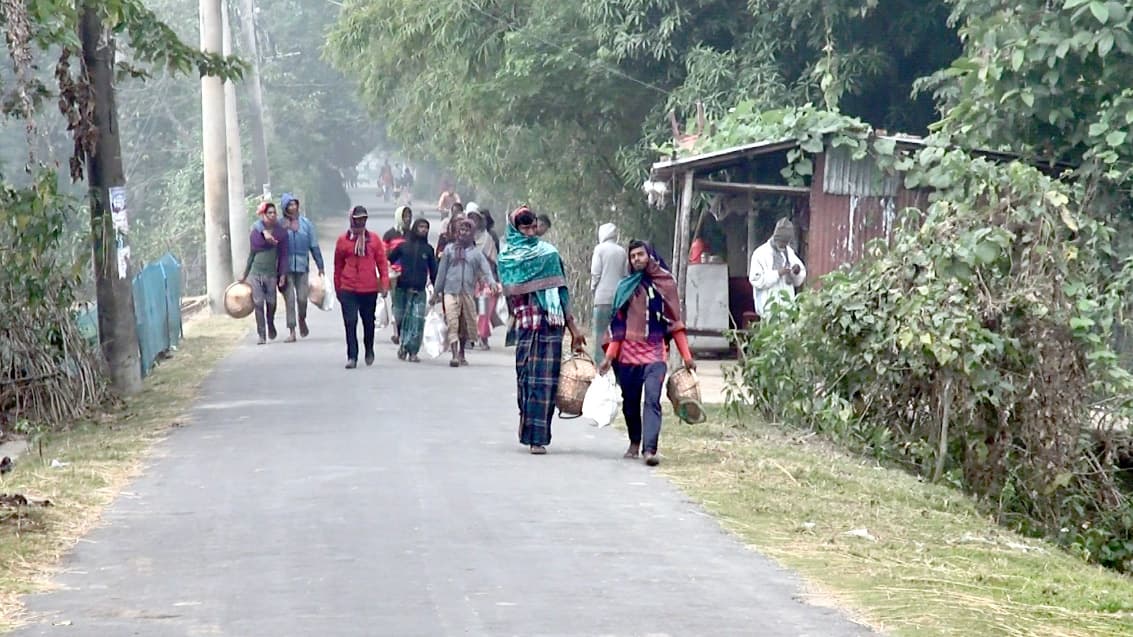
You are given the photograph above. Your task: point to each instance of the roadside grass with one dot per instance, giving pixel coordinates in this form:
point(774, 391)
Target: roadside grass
point(932, 564)
point(102, 456)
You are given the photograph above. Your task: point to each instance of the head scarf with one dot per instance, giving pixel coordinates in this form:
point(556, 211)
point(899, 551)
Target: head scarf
point(644, 299)
point(460, 246)
point(262, 209)
point(529, 265)
point(784, 231)
point(399, 223)
point(358, 235)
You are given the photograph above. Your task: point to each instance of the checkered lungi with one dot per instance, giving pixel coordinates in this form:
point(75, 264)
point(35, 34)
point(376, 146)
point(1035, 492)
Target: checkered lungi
point(538, 359)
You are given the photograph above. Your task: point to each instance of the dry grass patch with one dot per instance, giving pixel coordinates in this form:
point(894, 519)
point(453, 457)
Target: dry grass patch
point(101, 457)
point(906, 557)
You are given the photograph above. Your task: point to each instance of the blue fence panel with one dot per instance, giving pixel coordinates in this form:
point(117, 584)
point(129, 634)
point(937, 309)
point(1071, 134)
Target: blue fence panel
point(157, 311)
point(157, 308)
point(171, 268)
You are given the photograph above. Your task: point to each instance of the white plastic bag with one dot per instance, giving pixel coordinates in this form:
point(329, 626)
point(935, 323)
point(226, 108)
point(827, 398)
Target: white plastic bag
point(435, 338)
point(383, 314)
point(329, 295)
point(602, 400)
point(501, 310)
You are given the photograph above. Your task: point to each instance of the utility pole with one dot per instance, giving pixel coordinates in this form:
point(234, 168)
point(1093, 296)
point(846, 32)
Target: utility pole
point(260, 166)
point(218, 251)
point(237, 216)
point(117, 326)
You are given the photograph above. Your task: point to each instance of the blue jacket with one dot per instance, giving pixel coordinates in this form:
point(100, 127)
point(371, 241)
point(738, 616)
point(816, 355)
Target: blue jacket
point(300, 242)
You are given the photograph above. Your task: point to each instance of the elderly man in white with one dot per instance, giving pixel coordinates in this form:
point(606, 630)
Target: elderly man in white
point(775, 269)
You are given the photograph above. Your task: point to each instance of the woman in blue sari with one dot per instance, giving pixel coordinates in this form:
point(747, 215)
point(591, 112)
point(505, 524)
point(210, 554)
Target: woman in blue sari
point(535, 285)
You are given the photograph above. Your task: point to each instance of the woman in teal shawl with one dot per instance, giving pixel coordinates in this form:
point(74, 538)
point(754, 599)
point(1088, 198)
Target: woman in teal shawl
point(535, 285)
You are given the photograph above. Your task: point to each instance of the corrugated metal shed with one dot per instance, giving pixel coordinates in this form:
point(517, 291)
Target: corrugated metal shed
point(851, 204)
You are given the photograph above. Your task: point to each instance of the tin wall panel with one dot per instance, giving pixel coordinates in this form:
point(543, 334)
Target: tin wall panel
point(840, 225)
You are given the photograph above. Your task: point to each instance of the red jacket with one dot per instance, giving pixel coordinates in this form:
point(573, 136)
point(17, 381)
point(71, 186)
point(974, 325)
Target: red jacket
point(353, 273)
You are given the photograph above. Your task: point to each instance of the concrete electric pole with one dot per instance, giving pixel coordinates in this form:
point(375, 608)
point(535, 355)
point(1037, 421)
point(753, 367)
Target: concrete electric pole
point(237, 217)
point(260, 167)
point(218, 251)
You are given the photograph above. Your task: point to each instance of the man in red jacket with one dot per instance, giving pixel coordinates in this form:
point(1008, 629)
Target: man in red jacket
point(361, 273)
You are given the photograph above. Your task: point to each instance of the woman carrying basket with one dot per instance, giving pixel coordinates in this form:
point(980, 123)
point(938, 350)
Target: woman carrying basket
point(647, 313)
point(535, 285)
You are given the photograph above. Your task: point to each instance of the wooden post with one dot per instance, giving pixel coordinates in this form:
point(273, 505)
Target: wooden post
point(684, 219)
point(117, 325)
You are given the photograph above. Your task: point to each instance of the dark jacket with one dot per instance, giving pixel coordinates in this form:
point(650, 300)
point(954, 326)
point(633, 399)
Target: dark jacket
point(418, 263)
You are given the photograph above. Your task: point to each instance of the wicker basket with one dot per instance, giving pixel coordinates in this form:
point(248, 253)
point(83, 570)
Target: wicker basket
point(683, 390)
point(238, 300)
point(574, 379)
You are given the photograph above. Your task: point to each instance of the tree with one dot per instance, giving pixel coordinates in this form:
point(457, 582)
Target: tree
point(1044, 79)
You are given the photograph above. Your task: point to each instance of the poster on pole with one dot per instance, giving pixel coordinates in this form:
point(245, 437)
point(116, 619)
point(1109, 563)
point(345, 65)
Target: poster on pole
point(120, 219)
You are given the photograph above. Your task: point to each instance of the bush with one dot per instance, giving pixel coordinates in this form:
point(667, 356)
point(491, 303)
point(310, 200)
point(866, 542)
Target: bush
point(49, 373)
point(974, 349)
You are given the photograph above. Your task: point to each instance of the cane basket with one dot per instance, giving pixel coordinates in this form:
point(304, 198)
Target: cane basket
point(683, 390)
point(575, 376)
point(238, 300)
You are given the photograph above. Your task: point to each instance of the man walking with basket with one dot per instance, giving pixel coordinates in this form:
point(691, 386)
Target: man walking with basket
point(647, 314)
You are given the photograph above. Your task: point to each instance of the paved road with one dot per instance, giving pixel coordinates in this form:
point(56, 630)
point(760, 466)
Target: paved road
point(305, 499)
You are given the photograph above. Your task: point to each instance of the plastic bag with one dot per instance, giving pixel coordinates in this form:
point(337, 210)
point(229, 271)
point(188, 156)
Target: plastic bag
point(435, 338)
point(329, 295)
point(383, 316)
point(502, 314)
point(602, 401)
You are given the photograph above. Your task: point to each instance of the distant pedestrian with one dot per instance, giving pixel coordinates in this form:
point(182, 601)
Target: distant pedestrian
point(447, 229)
point(266, 270)
point(544, 225)
point(608, 266)
point(647, 313)
point(418, 264)
point(462, 269)
point(395, 236)
point(775, 270)
point(486, 296)
point(449, 196)
point(302, 241)
point(535, 284)
point(361, 274)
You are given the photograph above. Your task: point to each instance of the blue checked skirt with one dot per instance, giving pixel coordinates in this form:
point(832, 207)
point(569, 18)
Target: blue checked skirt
point(538, 359)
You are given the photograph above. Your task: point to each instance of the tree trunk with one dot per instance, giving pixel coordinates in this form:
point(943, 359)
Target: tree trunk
point(117, 326)
point(237, 217)
point(218, 250)
point(260, 166)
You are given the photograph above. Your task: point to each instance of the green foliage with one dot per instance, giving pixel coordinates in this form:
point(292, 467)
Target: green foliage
point(1048, 79)
point(48, 371)
point(975, 349)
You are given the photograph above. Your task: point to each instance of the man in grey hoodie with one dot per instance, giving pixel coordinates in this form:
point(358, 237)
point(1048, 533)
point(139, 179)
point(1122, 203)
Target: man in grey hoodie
point(608, 267)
